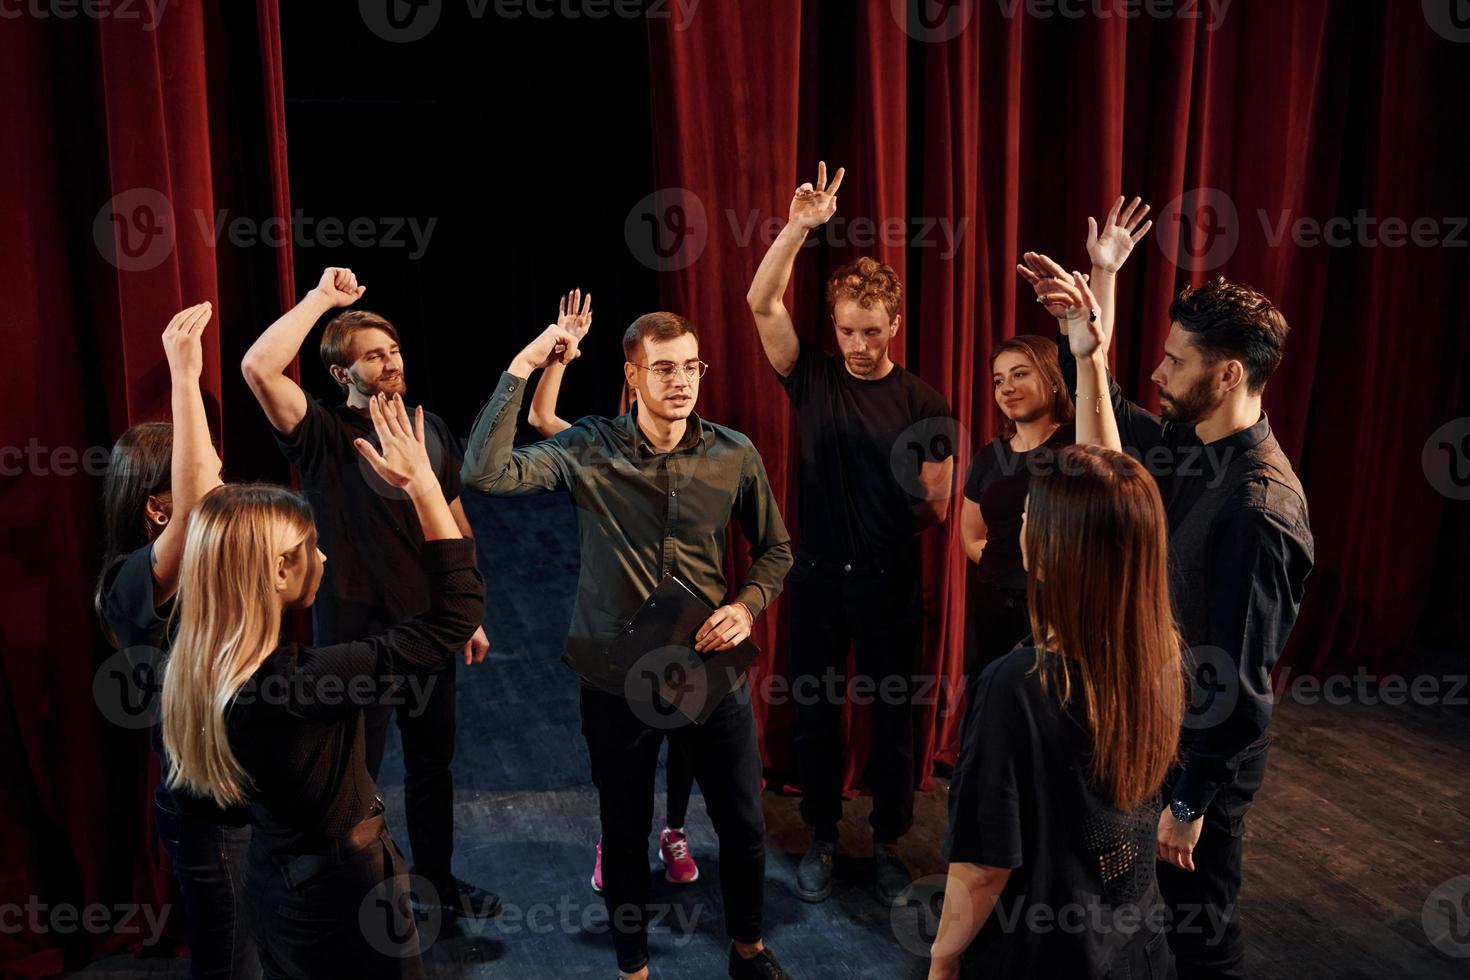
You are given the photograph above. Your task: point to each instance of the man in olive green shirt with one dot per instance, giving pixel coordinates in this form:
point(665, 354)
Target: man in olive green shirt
point(654, 491)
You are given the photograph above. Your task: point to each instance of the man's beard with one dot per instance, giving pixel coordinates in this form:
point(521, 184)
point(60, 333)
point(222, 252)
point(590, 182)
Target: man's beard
point(1190, 407)
point(369, 389)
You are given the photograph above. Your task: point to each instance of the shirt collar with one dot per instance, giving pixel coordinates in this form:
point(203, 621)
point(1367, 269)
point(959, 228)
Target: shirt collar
point(695, 434)
point(1246, 439)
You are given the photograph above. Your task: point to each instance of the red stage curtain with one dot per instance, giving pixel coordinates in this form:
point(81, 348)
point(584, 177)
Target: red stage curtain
point(1013, 127)
point(125, 141)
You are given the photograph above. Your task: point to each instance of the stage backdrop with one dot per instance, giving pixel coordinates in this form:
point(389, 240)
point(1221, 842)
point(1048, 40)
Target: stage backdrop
point(127, 141)
point(978, 130)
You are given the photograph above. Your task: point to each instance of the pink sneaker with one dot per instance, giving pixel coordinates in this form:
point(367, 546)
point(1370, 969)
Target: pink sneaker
point(597, 869)
point(679, 867)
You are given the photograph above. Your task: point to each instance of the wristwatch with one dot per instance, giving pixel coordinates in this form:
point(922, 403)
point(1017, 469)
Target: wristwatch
point(1183, 813)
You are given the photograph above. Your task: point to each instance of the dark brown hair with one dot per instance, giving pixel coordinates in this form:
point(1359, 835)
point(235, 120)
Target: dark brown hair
point(1042, 352)
point(1226, 319)
point(654, 326)
point(1098, 587)
point(336, 349)
point(139, 468)
point(868, 282)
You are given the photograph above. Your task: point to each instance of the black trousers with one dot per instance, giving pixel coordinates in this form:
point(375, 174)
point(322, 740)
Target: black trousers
point(341, 916)
point(624, 753)
point(426, 722)
point(209, 863)
point(876, 612)
point(1205, 934)
point(995, 622)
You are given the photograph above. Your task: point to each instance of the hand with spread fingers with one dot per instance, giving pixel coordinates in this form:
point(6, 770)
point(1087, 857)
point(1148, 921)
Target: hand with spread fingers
point(574, 313)
point(727, 626)
point(814, 205)
point(404, 459)
point(1110, 247)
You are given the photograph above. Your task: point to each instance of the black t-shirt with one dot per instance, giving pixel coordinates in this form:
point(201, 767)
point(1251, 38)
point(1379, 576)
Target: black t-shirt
point(367, 529)
point(141, 630)
point(861, 445)
point(998, 481)
point(296, 724)
point(1082, 884)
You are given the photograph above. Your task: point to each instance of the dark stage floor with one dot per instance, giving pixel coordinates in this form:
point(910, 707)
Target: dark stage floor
point(1365, 813)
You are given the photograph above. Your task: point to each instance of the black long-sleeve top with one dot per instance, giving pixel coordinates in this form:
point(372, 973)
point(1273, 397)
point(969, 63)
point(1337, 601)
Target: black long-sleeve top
point(1240, 550)
point(296, 726)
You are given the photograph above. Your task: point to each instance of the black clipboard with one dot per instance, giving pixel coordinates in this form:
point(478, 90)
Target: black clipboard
point(653, 663)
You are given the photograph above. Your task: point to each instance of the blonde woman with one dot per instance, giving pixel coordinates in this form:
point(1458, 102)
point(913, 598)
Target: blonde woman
point(249, 718)
point(1055, 797)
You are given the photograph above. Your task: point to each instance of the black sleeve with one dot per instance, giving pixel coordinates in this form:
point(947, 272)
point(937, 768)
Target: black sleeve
point(1138, 429)
point(975, 477)
point(798, 384)
point(127, 605)
point(1256, 589)
point(316, 441)
point(448, 461)
point(314, 679)
point(985, 795)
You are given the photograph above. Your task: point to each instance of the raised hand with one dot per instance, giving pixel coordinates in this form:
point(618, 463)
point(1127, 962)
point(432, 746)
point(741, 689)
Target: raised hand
point(1070, 292)
point(1041, 272)
point(339, 287)
point(574, 314)
point(183, 344)
point(1123, 228)
point(555, 343)
point(404, 458)
point(813, 206)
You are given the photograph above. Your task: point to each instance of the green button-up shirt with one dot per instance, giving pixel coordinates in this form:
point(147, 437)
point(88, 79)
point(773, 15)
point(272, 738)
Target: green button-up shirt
point(641, 513)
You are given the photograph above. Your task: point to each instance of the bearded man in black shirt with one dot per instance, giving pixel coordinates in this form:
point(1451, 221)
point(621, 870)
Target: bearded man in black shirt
point(374, 580)
point(862, 499)
point(1240, 549)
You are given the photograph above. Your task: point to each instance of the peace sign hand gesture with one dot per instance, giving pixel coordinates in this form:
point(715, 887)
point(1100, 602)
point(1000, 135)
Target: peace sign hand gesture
point(813, 206)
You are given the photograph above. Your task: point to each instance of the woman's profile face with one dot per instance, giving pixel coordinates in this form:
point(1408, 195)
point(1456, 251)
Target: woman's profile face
point(302, 573)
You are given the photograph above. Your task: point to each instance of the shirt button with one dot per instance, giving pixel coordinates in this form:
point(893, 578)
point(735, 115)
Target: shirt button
point(847, 568)
point(673, 493)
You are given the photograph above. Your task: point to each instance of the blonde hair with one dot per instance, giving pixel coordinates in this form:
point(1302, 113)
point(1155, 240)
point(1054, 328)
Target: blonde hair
point(229, 616)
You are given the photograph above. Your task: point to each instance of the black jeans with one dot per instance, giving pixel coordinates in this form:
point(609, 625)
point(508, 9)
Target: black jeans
point(875, 611)
point(427, 726)
point(1205, 932)
point(209, 863)
point(349, 916)
point(624, 752)
point(679, 782)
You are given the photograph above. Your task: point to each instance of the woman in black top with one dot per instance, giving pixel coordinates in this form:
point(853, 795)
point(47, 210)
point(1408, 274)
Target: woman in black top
point(1036, 421)
point(248, 718)
point(157, 470)
point(1054, 803)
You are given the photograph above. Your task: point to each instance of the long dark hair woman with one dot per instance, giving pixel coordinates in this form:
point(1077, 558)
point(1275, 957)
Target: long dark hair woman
point(249, 719)
point(157, 472)
point(1054, 802)
point(1036, 421)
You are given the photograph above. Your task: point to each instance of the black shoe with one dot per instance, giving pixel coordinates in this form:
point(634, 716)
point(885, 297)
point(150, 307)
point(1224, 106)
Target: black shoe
point(891, 878)
point(464, 900)
point(814, 874)
point(761, 966)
